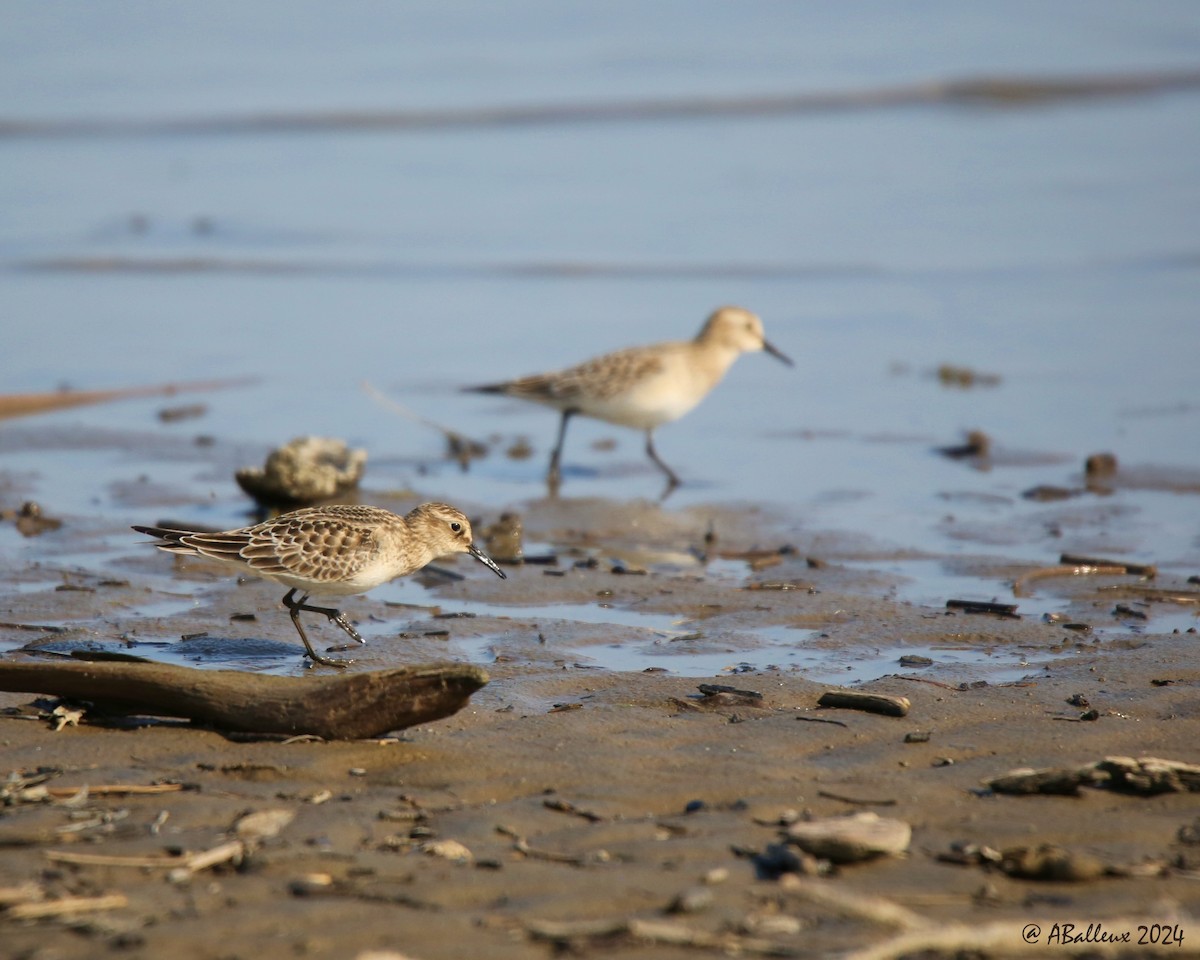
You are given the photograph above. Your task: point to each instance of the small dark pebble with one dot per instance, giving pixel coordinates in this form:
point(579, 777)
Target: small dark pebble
point(815, 563)
point(1100, 465)
point(1044, 493)
point(1078, 700)
point(243, 617)
point(1124, 610)
point(978, 444)
point(555, 573)
point(695, 806)
point(713, 689)
point(187, 412)
point(1078, 627)
point(914, 660)
point(1161, 683)
point(917, 736)
point(1092, 714)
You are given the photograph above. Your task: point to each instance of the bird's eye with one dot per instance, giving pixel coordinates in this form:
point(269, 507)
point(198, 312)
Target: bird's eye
point(456, 526)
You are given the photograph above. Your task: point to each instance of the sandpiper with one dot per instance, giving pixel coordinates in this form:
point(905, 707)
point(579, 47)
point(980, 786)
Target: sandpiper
point(643, 387)
point(338, 550)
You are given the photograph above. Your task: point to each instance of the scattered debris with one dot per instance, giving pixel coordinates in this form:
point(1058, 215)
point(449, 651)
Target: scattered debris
point(343, 706)
point(1062, 782)
point(1100, 466)
point(189, 411)
point(1151, 775)
point(869, 702)
point(858, 801)
point(565, 806)
point(1145, 776)
point(692, 900)
point(849, 839)
point(64, 716)
point(781, 585)
point(950, 375)
point(448, 850)
point(65, 906)
point(231, 851)
point(29, 519)
point(1021, 584)
point(1048, 862)
point(459, 447)
point(1148, 570)
point(715, 691)
point(977, 444)
point(254, 828)
point(1005, 610)
point(1047, 493)
point(305, 470)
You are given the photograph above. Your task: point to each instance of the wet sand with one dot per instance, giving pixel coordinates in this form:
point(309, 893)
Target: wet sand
point(598, 812)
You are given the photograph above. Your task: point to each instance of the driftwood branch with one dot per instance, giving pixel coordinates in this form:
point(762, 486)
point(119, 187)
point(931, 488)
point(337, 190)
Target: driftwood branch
point(342, 706)
point(25, 404)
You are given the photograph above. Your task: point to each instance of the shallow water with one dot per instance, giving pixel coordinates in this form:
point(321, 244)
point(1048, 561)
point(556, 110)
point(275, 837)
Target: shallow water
point(1050, 242)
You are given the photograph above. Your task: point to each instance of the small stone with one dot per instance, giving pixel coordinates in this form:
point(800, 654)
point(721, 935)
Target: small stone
point(1100, 465)
point(860, 836)
point(256, 827)
point(771, 925)
point(448, 850)
point(310, 883)
point(691, 900)
point(1048, 862)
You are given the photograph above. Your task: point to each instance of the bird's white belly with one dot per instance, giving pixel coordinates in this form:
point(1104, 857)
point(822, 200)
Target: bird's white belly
point(649, 404)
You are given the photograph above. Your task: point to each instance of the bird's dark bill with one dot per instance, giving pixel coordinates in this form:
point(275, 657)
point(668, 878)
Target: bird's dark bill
point(486, 561)
point(777, 353)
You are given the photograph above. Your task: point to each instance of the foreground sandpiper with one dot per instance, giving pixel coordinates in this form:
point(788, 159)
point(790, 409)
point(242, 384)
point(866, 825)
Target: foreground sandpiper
point(337, 550)
point(643, 387)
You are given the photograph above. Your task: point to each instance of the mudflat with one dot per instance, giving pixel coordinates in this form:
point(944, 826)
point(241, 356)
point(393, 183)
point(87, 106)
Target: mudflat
point(570, 809)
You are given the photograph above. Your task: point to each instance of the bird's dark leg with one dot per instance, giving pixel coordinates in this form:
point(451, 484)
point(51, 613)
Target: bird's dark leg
point(295, 606)
point(672, 479)
point(554, 474)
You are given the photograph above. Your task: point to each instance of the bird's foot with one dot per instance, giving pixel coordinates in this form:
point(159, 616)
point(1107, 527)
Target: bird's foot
point(341, 621)
point(314, 658)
